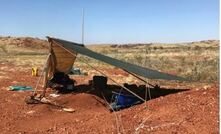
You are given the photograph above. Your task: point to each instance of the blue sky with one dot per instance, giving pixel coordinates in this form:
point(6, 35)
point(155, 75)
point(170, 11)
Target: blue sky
point(112, 21)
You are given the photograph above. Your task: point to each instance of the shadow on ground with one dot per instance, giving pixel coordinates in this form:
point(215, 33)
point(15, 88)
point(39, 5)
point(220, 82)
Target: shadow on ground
point(106, 93)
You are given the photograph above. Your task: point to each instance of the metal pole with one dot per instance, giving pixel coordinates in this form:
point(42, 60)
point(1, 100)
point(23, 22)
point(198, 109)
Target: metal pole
point(147, 87)
point(82, 27)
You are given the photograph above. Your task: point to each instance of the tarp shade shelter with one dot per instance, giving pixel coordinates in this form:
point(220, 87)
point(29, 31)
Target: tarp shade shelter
point(64, 60)
point(59, 59)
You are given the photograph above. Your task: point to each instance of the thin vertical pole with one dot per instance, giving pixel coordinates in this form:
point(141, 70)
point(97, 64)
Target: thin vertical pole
point(146, 83)
point(146, 78)
point(82, 27)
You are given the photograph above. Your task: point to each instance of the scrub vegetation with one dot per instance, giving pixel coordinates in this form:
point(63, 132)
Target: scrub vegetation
point(197, 61)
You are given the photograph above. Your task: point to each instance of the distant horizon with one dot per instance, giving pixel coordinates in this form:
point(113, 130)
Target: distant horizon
point(113, 43)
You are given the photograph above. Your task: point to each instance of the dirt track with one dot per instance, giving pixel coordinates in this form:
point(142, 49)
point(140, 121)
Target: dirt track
point(192, 111)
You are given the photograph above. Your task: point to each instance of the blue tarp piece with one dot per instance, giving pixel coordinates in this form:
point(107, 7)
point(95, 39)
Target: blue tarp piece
point(123, 101)
point(20, 88)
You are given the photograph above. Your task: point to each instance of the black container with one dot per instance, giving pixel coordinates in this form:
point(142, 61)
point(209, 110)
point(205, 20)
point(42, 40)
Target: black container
point(100, 82)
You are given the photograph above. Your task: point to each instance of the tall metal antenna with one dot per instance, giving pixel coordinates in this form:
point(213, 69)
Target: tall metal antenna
point(82, 27)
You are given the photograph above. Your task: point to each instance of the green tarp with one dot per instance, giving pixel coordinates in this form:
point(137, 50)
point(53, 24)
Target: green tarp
point(138, 70)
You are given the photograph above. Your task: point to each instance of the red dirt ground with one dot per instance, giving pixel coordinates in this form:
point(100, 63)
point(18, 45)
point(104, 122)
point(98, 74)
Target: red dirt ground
point(192, 111)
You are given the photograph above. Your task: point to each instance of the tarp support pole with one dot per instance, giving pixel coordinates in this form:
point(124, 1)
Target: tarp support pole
point(45, 77)
point(42, 73)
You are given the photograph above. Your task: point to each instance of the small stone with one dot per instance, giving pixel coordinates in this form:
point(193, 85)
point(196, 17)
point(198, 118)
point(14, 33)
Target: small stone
point(206, 87)
point(30, 112)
